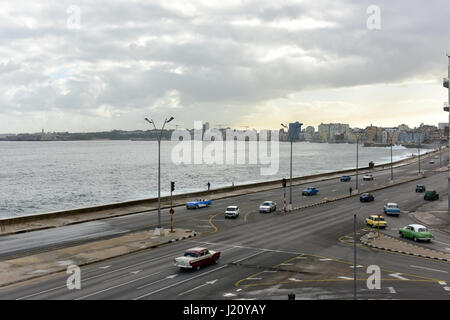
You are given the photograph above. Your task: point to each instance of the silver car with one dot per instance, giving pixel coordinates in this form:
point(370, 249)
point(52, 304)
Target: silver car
point(268, 206)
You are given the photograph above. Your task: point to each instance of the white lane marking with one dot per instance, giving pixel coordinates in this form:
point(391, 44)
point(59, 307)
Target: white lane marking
point(391, 289)
point(398, 276)
point(326, 259)
point(447, 288)
point(270, 271)
point(251, 248)
point(253, 279)
point(119, 285)
point(205, 284)
point(180, 282)
point(104, 267)
point(419, 267)
point(294, 279)
point(157, 281)
point(229, 295)
point(136, 272)
point(358, 266)
point(255, 254)
point(447, 244)
point(442, 283)
point(286, 264)
point(94, 277)
point(346, 278)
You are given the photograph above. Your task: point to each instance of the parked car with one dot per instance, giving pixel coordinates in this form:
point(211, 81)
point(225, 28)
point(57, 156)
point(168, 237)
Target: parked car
point(195, 258)
point(374, 221)
point(345, 178)
point(367, 177)
point(198, 204)
point(431, 161)
point(268, 206)
point(431, 195)
point(391, 208)
point(310, 191)
point(366, 197)
point(416, 232)
point(436, 157)
point(420, 188)
point(232, 212)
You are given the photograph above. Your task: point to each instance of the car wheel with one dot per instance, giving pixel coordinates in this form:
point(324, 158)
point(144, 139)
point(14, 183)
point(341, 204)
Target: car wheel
point(401, 235)
point(215, 261)
point(415, 239)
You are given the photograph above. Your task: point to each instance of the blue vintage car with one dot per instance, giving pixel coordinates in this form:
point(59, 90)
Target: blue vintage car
point(345, 178)
point(366, 197)
point(309, 191)
point(198, 203)
point(391, 209)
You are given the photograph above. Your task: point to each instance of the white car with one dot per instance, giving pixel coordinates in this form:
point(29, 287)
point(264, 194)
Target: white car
point(268, 206)
point(367, 177)
point(436, 157)
point(232, 212)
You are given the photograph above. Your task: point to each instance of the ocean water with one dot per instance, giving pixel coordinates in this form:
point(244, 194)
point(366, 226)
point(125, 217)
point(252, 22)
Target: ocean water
point(38, 177)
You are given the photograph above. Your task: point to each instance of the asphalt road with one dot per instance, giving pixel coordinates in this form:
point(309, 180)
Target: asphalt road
point(198, 220)
point(267, 256)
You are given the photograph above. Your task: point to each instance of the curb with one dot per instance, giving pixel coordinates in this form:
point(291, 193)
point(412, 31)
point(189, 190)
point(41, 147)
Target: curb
point(399, 251)
point(2, 285)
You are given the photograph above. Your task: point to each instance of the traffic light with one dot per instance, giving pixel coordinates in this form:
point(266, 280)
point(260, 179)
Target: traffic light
point(172, 186)
point(284, 183)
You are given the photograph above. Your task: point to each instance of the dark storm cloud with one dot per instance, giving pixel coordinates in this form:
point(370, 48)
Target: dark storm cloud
point(210, 59)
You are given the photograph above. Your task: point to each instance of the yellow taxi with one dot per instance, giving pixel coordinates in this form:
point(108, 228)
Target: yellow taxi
point(376, 220)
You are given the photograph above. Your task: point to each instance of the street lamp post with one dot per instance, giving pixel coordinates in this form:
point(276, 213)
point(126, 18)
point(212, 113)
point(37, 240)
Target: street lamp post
point(292, 135)
point(158, 229)
point(392, 170)
point(419, 153)
point(358, 136)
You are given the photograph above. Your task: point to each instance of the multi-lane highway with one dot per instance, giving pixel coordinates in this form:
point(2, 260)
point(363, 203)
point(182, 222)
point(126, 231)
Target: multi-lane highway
point(263, 255)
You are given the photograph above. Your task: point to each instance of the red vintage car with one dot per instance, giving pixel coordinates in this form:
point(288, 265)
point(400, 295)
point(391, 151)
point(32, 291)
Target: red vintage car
point(195, 258)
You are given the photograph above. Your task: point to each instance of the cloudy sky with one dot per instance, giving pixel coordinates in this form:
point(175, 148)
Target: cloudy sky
point(101, 65)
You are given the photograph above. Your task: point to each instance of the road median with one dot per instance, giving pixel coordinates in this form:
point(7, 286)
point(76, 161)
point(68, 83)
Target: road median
point(388, 243)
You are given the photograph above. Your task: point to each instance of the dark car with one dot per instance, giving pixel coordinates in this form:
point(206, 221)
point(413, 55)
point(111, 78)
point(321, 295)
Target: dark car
point(431, 195)
point(309, 191)
point(366, 197)
point(420, 188)
point(345, 178)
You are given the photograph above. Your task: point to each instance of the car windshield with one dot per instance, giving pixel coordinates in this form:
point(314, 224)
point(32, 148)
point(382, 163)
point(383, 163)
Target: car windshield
point(422, 230)
point(392, 206)
point(379, 219)
point(190, 254)
point(231, 208)
point(266, 204)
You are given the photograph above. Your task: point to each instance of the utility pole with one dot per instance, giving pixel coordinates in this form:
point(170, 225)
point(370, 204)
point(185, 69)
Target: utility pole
point(419, 154)
point(293, 131)
point(358, 135)
point(354, 256)
point(158, 229)
point(392, 170)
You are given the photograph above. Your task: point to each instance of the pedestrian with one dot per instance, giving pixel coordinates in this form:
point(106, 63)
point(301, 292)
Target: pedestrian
point(350, 191)
point(208, 184)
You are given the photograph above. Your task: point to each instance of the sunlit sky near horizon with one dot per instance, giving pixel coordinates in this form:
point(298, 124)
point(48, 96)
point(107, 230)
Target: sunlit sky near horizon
point(83, 66)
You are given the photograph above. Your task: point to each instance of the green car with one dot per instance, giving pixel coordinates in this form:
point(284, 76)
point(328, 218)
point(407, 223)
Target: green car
point(431, 195)
point(416, 232)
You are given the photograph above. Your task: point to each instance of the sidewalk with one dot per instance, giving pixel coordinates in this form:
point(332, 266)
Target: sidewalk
point(38, 265)
point(99, 214)
point(391, 244)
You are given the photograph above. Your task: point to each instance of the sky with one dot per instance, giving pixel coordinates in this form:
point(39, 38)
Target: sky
point(83, 66)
